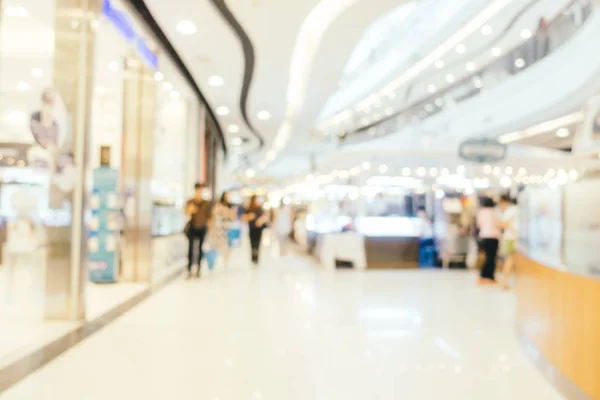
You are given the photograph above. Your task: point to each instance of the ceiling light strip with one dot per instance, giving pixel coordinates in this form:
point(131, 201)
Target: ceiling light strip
point(544, 127)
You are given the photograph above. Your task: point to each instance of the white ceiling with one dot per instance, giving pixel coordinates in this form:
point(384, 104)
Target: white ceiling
point(274, 27)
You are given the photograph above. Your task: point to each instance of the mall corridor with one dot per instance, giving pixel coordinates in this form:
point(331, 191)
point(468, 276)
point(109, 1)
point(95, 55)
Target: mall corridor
point(290, 330)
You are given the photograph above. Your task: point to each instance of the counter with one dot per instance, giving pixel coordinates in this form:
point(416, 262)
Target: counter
point(558, 285)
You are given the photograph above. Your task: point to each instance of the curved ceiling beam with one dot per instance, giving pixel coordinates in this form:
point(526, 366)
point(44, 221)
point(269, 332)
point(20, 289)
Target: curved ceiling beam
point(249, 59)
point(146, 15)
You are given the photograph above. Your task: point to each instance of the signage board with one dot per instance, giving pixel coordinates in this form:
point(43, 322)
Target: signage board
point(122, 22)
point(482, 150)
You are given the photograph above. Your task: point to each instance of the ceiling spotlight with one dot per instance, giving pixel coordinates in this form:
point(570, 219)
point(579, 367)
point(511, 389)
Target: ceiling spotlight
point(563, 132)
point(250, 173)
point(216, 81)
point(223, 111)
point(23, 86)
point(113, 66)
point(406, 171)
point(519, 63)
point(158, 76)
point(439, 102)
point(16, 11)
point(432, 88)
point(421, 171)
point(37, 73)
point(167, 86)
point(174, 94)
point(439, 64)
point(461, 49)
point(478, 82)
point(450, 78)
point(496, 51)
point(233, 128)
point(526, 34)
point(186, 27)
point(508, 170)
point(264, 115)
point(383, 169)
point(366, 165)
point(433, 171)
point(573, 174)
point(237, 141)
point(486, 30)
point(471, 66)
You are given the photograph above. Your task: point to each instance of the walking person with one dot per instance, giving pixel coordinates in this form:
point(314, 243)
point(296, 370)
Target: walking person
point(283, 226)
point(257, 221)
point(198, 209)
point(490, 232)
point(510, 236)
point(223, 215)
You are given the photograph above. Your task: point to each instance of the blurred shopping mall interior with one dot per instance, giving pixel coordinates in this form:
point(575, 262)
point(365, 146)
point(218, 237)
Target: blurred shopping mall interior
point(388, 199)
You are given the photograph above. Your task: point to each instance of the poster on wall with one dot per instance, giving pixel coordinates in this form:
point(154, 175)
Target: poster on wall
point(545, 241)
point(587, 139)
point(104, 225)
point(582, 228)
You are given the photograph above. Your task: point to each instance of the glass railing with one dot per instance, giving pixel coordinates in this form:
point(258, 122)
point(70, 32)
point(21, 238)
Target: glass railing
point(543, 43)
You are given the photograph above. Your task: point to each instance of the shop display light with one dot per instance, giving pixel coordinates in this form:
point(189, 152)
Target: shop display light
point(37, 73)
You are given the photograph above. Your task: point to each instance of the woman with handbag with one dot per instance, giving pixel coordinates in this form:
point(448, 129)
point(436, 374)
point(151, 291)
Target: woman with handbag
point(257, 221)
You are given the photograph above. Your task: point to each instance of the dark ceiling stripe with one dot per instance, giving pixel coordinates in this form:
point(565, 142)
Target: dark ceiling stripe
point(146, 15)
point(249, 59)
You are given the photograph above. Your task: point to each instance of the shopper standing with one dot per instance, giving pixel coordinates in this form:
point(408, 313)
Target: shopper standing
point(199, 210)
point(510, 236)
point(490, 231)
point(257, 221)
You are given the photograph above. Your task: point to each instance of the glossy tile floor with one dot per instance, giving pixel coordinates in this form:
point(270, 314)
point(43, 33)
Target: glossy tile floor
point(290, 331)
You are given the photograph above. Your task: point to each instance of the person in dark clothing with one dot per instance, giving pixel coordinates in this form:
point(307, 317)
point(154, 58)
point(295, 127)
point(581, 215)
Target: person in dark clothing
point(257, 220)
point(490, 231)
point(199, 209)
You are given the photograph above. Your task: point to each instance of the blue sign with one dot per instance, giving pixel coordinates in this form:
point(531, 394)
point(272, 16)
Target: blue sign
point(124, 25)
point(103, 239)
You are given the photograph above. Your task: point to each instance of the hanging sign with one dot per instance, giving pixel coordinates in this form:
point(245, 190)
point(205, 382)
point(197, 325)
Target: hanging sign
point(482, 150)
point(123, 24)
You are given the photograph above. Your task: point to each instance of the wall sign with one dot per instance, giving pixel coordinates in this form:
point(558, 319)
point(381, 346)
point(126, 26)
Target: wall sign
point(482, 150)
point(123, 24)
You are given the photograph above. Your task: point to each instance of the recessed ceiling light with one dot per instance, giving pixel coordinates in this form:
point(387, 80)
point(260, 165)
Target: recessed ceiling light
point(450, 78)
point(216, 81)
point(159, 76)
point(167, 86)
point(186, 27)
point(486, 30)
point(471, 66)
point(233, 128)
point(439, 64)
point(563, 133)
point(526, 34)
point(366, 165)
point(237, 141)
point(383, 169)
point(439, 102)
point(478, 82)
point(23, 86)
point(37, 73)
point(264, 115)
point(16, 11)
point(496, 51)
point(432, 88)
point(519, 63)
point(223, 111)
point(174, 94)
point(461, 49)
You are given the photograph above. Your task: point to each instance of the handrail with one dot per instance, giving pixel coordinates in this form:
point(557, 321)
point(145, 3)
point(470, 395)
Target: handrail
point(539, 46)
